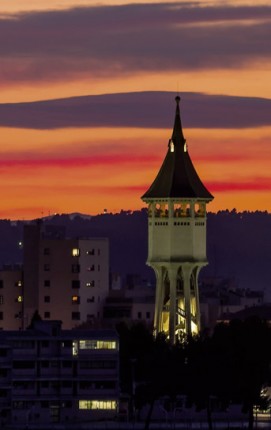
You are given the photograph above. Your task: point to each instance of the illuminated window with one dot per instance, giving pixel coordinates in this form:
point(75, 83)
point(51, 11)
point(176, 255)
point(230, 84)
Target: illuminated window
point(98, 404)
point(90, 284)
point(75, 348)
point(19, 299)
point(91, 252)
point(97, 344)
point(171, 146)
point(75, 252)
point(76, 300)
point(185, 147)
point(18, 284)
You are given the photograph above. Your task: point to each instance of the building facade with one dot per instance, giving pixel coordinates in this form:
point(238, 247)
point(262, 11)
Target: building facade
point(11, 297)
point(65, 279)
point(49, 375)
point(177, 237)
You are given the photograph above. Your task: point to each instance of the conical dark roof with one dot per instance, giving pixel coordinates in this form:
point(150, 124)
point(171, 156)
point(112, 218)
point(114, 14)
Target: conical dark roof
point(177, 177)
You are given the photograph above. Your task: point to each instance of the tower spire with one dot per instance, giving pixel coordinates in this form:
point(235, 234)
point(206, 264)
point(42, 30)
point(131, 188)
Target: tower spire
point(177, 133)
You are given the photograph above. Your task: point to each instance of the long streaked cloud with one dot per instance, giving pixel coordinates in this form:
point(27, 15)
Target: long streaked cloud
point(142, 109)
point(114, 40)
point(78, 162)
point(254, 184)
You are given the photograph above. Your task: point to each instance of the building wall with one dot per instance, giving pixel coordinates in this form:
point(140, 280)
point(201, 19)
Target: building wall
point(66, 279)
point(56, 376)
point(11, 299)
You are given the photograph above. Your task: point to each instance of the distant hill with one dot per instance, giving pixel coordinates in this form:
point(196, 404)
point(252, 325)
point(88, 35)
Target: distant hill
point(238, 245)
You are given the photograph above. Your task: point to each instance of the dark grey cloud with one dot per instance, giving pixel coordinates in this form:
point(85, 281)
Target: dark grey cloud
point(113, 40)
point(142, 109)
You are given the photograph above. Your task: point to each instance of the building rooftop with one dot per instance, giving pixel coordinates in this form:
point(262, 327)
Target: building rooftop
point(177, 177)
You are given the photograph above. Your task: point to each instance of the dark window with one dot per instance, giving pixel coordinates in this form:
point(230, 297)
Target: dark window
point(139, 315)
point(91, 299)
point(47, 283)
point(67, 344)
point(46, 251)
point(67, 384)
point(44, 343)
point(91, 252)
point(75, 268)
point(75, 315)
point(1, 315)
point(46, 267)
point(45, 364)
point(44, 384)
point(148, 315)
point(1, 300)
point(23, 364)
point(47, 314)
point(1, 283)
point(46, 299)
point(66, 364)
point(91, 268)
point(75, 283)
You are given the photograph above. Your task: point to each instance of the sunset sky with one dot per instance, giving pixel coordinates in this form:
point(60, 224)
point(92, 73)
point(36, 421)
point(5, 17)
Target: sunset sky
point(87, 104)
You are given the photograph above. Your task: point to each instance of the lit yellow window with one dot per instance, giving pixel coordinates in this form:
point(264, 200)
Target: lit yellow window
point(75, 252)
point(75, 299)
point(19, 299)
point(98, 404)
point(97, 344)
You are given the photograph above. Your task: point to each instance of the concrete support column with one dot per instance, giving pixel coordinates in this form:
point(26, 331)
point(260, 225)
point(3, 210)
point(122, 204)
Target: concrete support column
point(171, 209)
point(172, 274)
point(196, 275)
point(159, 298)
point(186, 270)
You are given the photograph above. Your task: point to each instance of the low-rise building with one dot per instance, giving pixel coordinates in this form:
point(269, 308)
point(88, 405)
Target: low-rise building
point(49, 375)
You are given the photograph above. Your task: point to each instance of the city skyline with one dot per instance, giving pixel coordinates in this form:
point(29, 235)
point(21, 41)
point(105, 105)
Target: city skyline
point(117, 67)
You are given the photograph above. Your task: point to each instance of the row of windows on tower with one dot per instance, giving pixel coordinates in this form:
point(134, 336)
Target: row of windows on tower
point(16, 284)
point(184, 223)
point(75, 268)
point(18, 299)
point(74, 299)
point(74, 315)
point(76, 283)
point(75, 252)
